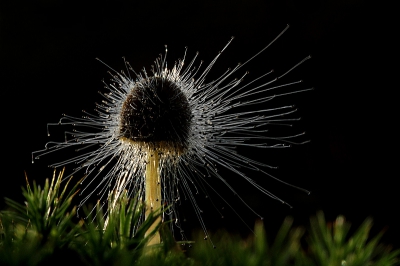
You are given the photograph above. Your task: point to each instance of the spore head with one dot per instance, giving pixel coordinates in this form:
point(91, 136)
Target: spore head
point(156, 113)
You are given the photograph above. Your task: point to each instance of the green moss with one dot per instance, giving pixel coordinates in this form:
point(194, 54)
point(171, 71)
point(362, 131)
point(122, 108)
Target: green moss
point(42, 232)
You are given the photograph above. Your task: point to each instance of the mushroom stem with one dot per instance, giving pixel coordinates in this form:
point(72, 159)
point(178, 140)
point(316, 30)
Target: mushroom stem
point(153, 194)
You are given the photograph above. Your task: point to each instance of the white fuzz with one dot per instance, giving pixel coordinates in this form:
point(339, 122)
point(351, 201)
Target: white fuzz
point(226, 113)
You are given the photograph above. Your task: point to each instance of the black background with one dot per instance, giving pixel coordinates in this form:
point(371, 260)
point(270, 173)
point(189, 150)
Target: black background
point(48, 67)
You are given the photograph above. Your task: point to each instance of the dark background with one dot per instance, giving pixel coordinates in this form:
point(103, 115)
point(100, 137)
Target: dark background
point(48, 67)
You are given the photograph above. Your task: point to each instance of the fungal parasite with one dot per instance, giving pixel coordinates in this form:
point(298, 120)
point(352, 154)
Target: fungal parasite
point(161, 136)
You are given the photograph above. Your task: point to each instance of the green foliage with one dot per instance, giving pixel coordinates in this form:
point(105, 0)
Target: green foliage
point(118, 239)
point(32, 232)
point(43, 232)
point(232, 250)
point(329, 244)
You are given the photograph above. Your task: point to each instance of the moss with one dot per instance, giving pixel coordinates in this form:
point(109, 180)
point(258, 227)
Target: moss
point(42, 232)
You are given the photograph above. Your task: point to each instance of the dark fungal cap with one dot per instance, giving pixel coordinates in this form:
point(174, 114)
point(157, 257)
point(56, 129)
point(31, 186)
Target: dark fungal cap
point(156, 112)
